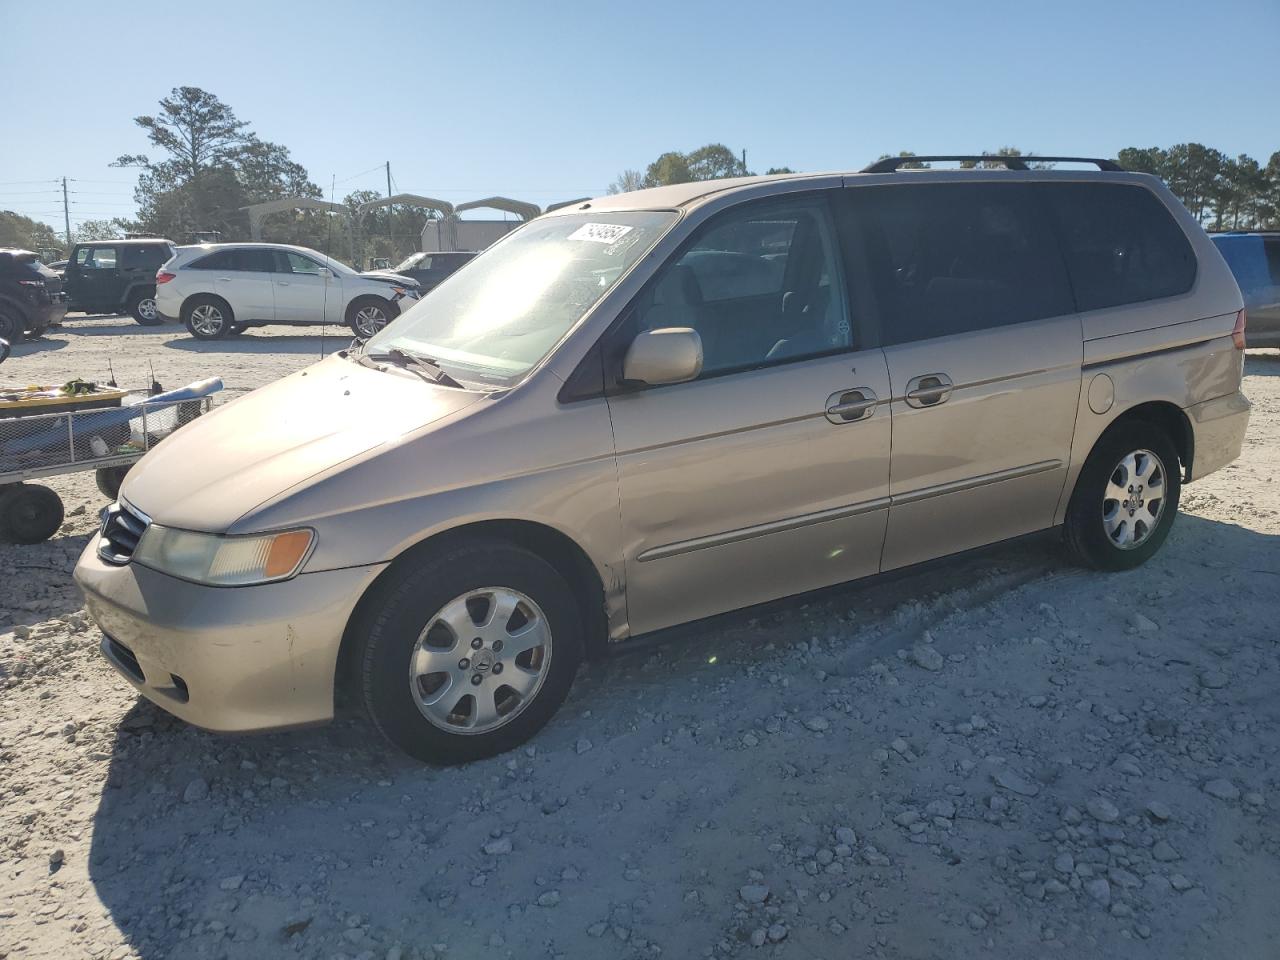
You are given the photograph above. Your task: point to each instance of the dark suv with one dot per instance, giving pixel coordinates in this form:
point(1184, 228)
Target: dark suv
point(429, 269)
point(31, 298)
point(111, 276)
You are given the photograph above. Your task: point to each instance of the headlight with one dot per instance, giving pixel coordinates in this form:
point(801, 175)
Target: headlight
point(223, 561)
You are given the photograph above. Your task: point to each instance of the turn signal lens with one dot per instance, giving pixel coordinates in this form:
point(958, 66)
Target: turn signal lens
point(1237, 332)
point(286, 552)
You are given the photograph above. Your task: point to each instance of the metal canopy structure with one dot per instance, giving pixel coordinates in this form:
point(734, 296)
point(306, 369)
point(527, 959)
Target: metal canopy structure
point(258, 211)
point(525, 211)
point(444, 207)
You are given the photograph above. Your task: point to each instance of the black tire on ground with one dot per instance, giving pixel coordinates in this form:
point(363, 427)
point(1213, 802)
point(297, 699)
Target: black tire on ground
point(405, 601)
point(207, 317)
point(11, 326)
point(29, 513)
point(142, 307)
point(358, 315)
point(1085, 531)
point(109, 480)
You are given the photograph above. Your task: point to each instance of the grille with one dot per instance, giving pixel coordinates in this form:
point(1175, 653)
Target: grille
point(122, 528)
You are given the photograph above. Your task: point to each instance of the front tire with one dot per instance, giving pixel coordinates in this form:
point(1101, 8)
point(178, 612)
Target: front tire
point(207, 318)
point(367, 315)
point(11, 326)
point(1125, 499)
point(142, 307)
point(467, 653)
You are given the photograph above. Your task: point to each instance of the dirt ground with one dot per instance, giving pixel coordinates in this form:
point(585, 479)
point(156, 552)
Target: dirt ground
point(1002, 756)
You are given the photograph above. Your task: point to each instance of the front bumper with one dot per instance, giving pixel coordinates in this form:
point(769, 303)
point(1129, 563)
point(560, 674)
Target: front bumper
point(1218, 427)
point(228, 659)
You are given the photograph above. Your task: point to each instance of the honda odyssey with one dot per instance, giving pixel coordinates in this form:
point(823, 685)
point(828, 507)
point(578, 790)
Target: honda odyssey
point(651, 408)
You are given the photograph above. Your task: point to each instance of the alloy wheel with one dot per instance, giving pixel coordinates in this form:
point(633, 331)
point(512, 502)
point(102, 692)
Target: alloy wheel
point(147, 308)
point(207, 319)
point(1133, 501)
point(369, 320)
point(480, 661)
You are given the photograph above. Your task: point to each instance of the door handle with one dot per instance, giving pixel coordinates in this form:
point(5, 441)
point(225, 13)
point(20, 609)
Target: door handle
point(224, 279)
point(850, 406)
point(929, 390)
point(282, 283)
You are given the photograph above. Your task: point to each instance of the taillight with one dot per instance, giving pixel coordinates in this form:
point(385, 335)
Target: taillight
point(1237, 332)
point(164, 276)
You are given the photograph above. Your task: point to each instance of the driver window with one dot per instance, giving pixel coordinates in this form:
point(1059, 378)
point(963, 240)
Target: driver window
point(102, 258)
point(300, 264)
point(761, 286)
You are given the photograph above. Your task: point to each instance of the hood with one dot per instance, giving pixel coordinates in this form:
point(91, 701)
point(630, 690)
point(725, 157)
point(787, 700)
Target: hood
point(220, 466)
point(386, 276)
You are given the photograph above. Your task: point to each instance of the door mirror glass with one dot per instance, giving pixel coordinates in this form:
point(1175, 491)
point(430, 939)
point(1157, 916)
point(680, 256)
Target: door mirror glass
point(668, 355)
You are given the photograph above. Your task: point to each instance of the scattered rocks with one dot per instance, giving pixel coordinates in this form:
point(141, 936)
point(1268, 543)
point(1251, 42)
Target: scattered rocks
point(549, 899)
point(926, 657)
point(1222, 789)
point(1102, 810)
point(1159, 811)
point(1213, 680)
point(1143, 624)
point(817, 724)
point(498, 847)
point(197, 790)
point(754, 893)
point(1164, 852)
point(1010, 781)
point(583, 745)
point(1099, 889)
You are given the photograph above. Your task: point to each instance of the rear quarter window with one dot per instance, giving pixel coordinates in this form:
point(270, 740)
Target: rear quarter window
point(1121, 244)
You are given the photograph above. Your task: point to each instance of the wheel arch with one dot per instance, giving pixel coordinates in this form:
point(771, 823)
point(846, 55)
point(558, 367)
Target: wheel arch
point(188, 303)
point(1172, 419)
point(554, 546)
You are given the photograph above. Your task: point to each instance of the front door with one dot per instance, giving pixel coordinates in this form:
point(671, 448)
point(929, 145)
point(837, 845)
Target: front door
point(769, 474)
point(984, 353)
point(304, 294)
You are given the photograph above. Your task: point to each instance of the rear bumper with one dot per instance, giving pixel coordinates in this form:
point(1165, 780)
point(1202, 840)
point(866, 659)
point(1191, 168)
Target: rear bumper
point(225, 659)
point(1218, 427)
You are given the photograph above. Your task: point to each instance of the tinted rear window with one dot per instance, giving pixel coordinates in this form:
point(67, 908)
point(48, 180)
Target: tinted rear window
point(949, 258)
point(256, 261)
point(1120, 242)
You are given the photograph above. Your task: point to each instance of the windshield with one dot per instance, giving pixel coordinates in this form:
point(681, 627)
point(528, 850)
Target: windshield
point(499, 315)
point(409, 262)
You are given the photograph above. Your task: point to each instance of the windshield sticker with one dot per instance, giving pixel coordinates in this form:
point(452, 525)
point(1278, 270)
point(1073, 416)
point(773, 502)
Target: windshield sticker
point(600, 232)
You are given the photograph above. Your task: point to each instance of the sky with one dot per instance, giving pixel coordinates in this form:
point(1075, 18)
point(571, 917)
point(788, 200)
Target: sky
point(551, 100)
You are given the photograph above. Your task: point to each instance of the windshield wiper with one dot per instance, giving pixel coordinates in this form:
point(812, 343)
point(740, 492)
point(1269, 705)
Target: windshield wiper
point(424, 367)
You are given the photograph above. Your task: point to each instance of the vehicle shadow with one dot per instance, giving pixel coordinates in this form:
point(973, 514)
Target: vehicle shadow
point(1259, 364)
point(29, 348)
point(257, 342)
point(247, 846)
point(126, 326)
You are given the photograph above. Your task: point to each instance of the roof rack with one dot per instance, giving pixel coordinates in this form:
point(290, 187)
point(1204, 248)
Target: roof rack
point(891, 164)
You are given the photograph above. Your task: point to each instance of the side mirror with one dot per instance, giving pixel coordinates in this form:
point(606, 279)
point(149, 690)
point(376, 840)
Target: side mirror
point(669, 355)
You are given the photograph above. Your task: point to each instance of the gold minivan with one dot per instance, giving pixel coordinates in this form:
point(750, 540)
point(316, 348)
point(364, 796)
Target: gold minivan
point(650, 408)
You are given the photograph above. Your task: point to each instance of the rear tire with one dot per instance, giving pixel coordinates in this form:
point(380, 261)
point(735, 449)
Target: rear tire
point(11, 326)
point(438, 665)
point(29, 513)
point(142, 307)
point(207, 317)
point(1131, 460)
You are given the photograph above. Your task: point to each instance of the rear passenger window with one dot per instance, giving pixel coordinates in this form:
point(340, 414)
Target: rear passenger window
point(1120, 242)
point(950, 258)
point(222, 260)
point(759, 284)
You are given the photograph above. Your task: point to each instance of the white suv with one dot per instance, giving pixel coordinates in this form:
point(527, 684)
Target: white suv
point(219, 289)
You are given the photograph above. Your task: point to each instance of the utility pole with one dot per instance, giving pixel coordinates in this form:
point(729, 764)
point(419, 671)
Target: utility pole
point(66, 215)
point(744, 159)
point(388, 179)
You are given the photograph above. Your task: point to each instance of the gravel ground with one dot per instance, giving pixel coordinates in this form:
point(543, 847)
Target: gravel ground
point(1001, 756)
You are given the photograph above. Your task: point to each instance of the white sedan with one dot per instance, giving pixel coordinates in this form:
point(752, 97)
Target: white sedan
point(220, 289)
